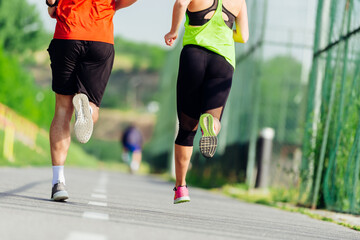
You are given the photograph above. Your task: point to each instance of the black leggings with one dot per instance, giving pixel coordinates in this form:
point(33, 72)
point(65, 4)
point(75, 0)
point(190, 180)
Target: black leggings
point(203, 86)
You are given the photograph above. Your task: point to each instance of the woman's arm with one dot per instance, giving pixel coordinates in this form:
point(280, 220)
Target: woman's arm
point(52, 10)
point(241, 34)
point(179, 10)
point(123, 3)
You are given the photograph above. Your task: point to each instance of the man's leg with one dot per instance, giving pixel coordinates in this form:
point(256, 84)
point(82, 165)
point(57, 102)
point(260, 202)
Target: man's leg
point(86, 114)
point(136, 161)
point(60, 129)
point(60, 143)
point(95, 112)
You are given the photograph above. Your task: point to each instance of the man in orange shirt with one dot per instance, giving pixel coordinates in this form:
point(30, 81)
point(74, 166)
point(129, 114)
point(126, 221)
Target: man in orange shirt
point(82, 55)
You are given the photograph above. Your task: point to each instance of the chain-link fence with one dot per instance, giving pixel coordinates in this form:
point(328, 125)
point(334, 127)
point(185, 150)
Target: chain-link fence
point(331, 160)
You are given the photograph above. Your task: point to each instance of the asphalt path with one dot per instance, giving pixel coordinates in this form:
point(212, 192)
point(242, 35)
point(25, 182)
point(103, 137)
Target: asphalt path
point(107, 205)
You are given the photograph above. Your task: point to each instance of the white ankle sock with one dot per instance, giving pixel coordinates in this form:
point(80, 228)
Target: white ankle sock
point(58, 174)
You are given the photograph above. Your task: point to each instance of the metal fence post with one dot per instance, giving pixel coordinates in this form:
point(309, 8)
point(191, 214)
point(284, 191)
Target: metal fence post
point(263, 171)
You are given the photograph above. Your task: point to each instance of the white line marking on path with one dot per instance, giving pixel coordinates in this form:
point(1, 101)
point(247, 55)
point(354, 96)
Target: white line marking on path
point(103, 180)
point(102, 196)
point(101, 204)
point(87, 236)
point(95, 215)
point(100, 190)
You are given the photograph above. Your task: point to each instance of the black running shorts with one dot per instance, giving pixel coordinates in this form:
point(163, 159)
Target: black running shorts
point(81, 66)
point(204, 81)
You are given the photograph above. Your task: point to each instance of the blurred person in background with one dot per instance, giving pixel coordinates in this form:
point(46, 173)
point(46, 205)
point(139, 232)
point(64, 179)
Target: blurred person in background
point(81, 55)
point(132, 142)
point(206, 68)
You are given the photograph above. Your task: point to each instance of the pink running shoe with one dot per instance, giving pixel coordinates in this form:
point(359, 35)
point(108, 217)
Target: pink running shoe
point(181, 194)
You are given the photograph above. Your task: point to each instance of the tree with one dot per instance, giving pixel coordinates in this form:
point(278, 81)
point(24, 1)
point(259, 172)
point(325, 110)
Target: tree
point(281, 106)
point(20, 26)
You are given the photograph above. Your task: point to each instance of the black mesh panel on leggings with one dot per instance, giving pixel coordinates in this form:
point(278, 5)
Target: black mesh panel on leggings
point(204, 83)
point(187, 130)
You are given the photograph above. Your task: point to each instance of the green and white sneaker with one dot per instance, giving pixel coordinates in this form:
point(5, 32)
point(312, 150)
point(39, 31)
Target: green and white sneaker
point(83, 118)
point(59, 193)
point(208, 141)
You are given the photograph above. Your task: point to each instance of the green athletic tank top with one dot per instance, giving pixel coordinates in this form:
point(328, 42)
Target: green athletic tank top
point(214, 35)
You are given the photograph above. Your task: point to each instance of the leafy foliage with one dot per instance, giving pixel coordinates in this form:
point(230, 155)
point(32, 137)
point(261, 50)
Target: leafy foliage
point(20, 26)
point(281, 90)
point(19, 91)
point(151, 56)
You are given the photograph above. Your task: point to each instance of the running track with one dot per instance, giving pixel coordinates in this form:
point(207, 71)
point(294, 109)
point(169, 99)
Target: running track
point(111, 206)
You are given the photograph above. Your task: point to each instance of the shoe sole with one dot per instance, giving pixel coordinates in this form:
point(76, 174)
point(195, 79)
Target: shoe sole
point(182, 200)
point(208, 141)
point(84, 124)
point(208, 146)
point(60, 196)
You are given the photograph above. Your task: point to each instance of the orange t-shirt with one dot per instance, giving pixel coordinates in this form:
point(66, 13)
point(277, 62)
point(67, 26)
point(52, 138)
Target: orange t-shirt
point(88, 20)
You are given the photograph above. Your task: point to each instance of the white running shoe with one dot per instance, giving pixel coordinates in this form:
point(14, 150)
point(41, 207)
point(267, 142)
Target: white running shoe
point(83, 120)
point(134, 166)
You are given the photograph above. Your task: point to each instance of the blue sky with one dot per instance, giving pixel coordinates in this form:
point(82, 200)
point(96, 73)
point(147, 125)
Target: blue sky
point(145, 21)
point(288, 22)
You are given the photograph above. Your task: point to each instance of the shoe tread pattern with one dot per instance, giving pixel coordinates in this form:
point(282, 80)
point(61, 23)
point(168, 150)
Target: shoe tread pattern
point(208, 142)
point(83, 127)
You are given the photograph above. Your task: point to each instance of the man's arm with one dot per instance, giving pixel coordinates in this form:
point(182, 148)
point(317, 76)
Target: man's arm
point(179, 10)
point(123, 3)
point(52, 10)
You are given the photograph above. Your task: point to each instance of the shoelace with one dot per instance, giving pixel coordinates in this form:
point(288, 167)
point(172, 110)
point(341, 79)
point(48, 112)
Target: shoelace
point(175, 188)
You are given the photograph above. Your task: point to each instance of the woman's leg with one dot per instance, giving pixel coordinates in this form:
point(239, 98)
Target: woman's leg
point(183, 152)
point(182, 160)
point(215, 91)
point(184, 147)
point(189, 84)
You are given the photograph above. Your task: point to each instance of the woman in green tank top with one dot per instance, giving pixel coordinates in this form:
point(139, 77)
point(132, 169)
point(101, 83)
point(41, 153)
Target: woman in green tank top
point(206, 69)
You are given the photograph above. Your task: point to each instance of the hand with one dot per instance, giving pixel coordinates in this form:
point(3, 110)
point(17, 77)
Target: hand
point(51, 2)
point(170, 38)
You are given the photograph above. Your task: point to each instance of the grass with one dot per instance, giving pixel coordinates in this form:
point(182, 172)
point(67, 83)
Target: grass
point(281, 198)
point(311, 214)
point(40, 155)
point(96, 154)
